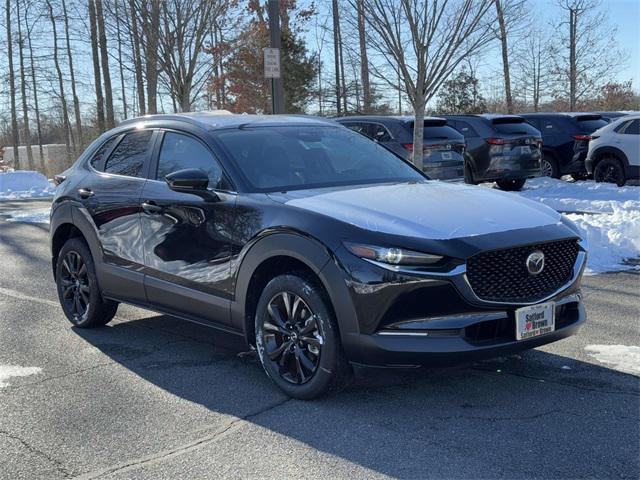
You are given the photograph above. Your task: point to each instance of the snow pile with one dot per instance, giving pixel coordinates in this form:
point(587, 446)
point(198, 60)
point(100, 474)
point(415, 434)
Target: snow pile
point(8, 371)
point(33, 215)
point(621, 357)
point(586, 197)
point(607, 216)
point(24, 184)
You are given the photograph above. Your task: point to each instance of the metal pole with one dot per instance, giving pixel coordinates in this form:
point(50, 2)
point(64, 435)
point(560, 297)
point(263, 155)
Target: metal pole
point(277, 88)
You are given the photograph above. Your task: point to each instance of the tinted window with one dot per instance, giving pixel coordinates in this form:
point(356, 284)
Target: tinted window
point(591, 125)
point(466, 129)
point(547, 127)
point(129, 156)
point(357, 127)
point(285, 158)
point(379, 132)
point(443, 132)
point(97, 161)
point(515, 128)
point(632, 128)
point(180, 151)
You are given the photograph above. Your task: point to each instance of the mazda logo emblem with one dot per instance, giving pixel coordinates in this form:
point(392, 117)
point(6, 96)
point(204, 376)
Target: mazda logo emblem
point(535, 262)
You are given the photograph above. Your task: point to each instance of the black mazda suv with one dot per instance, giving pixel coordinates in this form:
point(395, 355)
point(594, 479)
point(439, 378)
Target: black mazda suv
point(320, 247)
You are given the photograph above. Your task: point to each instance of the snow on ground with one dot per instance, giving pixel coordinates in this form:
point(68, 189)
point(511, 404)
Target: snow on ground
point(23, 184)
point(608, 216)
point(32, 215)
point(620, 357)
point(8, 371)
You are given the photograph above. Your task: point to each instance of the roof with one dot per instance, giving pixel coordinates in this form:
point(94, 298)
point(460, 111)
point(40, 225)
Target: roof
point(561, 114)
point(374, 118)
point(487, 116)
point(222, 119)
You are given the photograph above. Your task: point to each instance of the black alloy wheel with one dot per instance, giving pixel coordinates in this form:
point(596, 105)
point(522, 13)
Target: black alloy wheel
point(609, 170)
point(291, 337)
point(511, 185)
point(75, 283)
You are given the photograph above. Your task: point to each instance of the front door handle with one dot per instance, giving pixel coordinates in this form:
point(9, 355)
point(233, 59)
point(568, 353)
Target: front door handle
point(85, 193)
point(150, 207)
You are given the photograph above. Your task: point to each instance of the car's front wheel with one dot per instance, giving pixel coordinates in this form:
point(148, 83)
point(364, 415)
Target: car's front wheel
point(297, 338)
point(78, 290)
point(610, 170)
point(511, 185)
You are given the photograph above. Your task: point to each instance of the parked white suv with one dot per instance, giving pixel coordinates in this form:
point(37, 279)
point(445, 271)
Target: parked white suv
point(614, 151)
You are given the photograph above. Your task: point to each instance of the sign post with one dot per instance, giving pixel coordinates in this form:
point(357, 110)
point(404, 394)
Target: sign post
point(272, 64)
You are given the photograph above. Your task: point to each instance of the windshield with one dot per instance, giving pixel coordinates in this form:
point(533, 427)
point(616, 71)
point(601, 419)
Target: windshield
point(295, 157)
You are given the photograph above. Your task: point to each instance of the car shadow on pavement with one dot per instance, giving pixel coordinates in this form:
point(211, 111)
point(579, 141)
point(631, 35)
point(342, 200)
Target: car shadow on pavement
point(531, 415)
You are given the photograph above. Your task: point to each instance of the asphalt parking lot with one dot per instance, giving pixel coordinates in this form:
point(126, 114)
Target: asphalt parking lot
point(150, 396)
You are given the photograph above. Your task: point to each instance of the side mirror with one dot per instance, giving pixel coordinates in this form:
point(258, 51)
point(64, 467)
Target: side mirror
point(189, 179)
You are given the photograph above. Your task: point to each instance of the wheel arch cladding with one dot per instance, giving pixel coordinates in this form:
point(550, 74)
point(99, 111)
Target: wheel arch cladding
point(610, 151)
point(282, 253)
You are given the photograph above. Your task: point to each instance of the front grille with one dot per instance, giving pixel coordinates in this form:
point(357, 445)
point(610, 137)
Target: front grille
point(502, 275)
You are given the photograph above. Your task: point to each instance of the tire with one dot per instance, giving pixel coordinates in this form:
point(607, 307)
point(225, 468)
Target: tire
point(78, 291)
point(468, 174)
point(511, 185)
point(297, 339)
point(549, 167)
point(610, 170)
point(580, 176)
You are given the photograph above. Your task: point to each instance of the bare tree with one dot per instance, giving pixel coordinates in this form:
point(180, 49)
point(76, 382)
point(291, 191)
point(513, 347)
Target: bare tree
point(120, 62)
point(364, 60)
point(104, 60)
point(34, 86)
point(63, 100)
point(424, 41)
point(184, 26)
point(336, 54)
point(12, 85)
point(151, 32)
point(97, 76)
point(505, 55)
point(76, 101)
point(23, 91)
point(137, 56)
point(593, 54)
point(533, 67)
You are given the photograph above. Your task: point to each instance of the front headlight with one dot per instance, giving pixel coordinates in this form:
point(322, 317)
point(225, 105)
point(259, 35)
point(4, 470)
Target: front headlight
point(392, 256)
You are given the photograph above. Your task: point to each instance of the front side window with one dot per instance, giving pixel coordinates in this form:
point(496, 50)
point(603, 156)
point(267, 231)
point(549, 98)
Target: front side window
point(180, 151)
point(129, 156)
point(289, 158)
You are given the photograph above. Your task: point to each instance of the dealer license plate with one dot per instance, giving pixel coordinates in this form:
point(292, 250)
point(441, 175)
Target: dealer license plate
point(535, 320)
point(525, 150)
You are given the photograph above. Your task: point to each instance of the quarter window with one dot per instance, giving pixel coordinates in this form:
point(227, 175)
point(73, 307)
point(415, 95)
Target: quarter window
point(129, 156)
point(97, 161)
point(179, 152)
point(378, 132)
point(632, 128)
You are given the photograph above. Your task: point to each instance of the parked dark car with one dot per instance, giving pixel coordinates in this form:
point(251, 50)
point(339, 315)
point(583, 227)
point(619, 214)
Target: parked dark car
point(318, 246)
point(443, 151)
point(565, 141)
point(611, 116)
point(500, 148)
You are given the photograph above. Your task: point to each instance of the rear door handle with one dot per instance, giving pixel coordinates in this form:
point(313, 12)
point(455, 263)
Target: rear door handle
point(150, 207)
point(85, 193)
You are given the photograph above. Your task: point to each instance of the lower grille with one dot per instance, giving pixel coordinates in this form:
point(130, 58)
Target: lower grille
point(502, 275)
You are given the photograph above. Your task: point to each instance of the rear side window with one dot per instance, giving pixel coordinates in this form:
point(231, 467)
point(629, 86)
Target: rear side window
point(631, 128)
point(180, 151)
point(466, 129)
point(129, 156)
point(515, 128)
point(591, 124)
point(97, 161)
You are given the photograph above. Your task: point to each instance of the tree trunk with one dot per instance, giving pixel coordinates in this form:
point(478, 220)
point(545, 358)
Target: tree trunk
point(104, 57)
point(120, 66)
point(76, 101)
point(344, 85)
point(34, 84)
point(23, 91)
point(12, 88)
point(137, 58)
point(151, 28)
point(364, 61)
point(336, 54)
point(96, 66)
point(418, 130)
point(505, 56)
point(63, 101)
point(573, 18)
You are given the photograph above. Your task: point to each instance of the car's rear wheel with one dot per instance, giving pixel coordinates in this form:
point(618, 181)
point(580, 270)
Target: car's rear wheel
point(78, 290)
point(549, 167)
point(511, 185)
point(610, 170)
point(297, 338)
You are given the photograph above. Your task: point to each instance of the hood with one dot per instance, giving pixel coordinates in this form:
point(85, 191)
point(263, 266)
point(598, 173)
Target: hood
point(432, 209)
